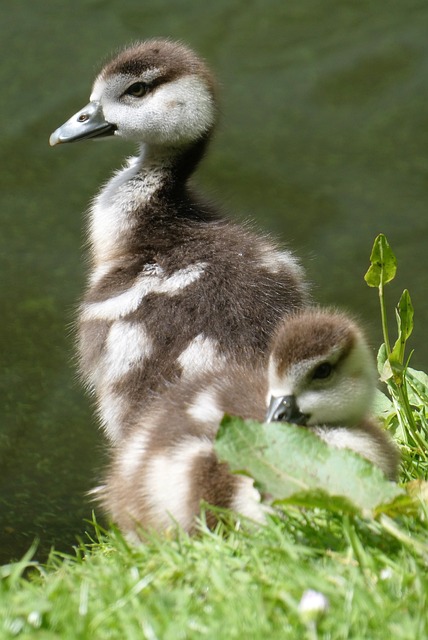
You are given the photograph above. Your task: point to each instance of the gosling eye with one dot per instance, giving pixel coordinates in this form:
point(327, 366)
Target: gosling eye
point(322, 371)
point(137, 89)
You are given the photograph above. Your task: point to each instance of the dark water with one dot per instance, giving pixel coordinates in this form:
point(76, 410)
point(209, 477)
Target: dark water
point(323, 141)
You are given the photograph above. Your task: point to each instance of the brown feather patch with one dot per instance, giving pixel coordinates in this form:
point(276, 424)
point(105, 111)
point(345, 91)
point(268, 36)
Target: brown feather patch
point(310, 335)
point(171, 58)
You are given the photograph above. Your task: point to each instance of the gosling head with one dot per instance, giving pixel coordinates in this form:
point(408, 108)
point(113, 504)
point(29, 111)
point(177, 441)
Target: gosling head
point(155, 93)
point(320, 371)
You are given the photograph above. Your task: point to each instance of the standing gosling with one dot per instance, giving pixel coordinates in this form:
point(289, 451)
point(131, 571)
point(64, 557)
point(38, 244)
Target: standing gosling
point(320, 375)
point(174, 289)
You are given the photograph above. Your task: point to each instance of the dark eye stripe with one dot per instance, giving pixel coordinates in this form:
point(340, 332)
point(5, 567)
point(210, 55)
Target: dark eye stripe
point(322, 371)
point(137, 89)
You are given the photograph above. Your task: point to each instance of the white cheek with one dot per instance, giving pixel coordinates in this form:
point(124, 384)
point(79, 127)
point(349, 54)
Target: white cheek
point(343, 403)
point(175, 113)
point(188, 107)
point(322, 406)
point(360, 398)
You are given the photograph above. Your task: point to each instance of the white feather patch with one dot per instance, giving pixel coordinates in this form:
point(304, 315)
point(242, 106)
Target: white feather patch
point(111, 408)
point(275, 261)
point(128, 344)
point(354, 439)
point(247, 500)
point(278, 385)
point(125, 303)
point(200, 355)
point(112, 213)
point(132, 455)
point(168, 483)
point(204, 408)
point(99, 272)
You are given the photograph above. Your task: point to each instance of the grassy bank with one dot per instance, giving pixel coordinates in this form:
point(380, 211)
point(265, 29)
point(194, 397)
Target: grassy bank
point(233, 583)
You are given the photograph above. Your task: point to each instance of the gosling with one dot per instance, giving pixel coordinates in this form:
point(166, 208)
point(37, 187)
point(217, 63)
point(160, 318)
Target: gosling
point(320, 375)
point(174, 288)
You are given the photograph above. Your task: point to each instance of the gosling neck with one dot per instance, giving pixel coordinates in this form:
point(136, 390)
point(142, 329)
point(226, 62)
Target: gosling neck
point(178, 161)
point(149, 193)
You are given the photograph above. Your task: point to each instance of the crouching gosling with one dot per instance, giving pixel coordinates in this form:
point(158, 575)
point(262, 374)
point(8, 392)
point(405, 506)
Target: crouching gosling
point(320, 375)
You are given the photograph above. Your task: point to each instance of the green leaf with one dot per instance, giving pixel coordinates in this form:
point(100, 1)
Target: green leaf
point(383, 264)
point(404, 314)
point(291, 463)
point(321, 499)
point(387, 372)
point(420, 378)
point(382, 405)
point(418, 387)
point(382, 357)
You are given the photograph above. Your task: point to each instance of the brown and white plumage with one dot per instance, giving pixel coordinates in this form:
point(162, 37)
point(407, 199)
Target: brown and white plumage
point(174, 289)
point(320, 375)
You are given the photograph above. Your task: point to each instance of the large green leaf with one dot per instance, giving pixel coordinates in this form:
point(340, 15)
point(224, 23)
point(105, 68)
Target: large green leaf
point(293, 464)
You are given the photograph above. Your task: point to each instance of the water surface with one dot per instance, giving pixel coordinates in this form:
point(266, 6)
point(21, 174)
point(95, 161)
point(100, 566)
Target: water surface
point(323, 141)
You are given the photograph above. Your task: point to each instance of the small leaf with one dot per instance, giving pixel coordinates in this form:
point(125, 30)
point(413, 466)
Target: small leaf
point(418, 387)
point(382, 405)
point(288, 461)
point(383, 264)
point(382, 357)
point(387, 372)
point(420, 378)
point(404, 314)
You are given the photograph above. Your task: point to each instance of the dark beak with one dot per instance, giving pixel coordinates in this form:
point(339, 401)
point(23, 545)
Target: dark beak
point(89, 122)
point(285, 409)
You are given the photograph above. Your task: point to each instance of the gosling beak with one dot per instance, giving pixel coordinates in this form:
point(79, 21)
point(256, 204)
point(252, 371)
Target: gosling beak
point(285, 409)
point(89, 122)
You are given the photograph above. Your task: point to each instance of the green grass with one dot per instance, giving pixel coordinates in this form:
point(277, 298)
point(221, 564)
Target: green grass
point(237, 582)
point(243, 581)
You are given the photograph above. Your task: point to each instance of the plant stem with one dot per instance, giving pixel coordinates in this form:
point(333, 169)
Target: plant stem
point(404, 409)
point(408, 413)
point(384, 320)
